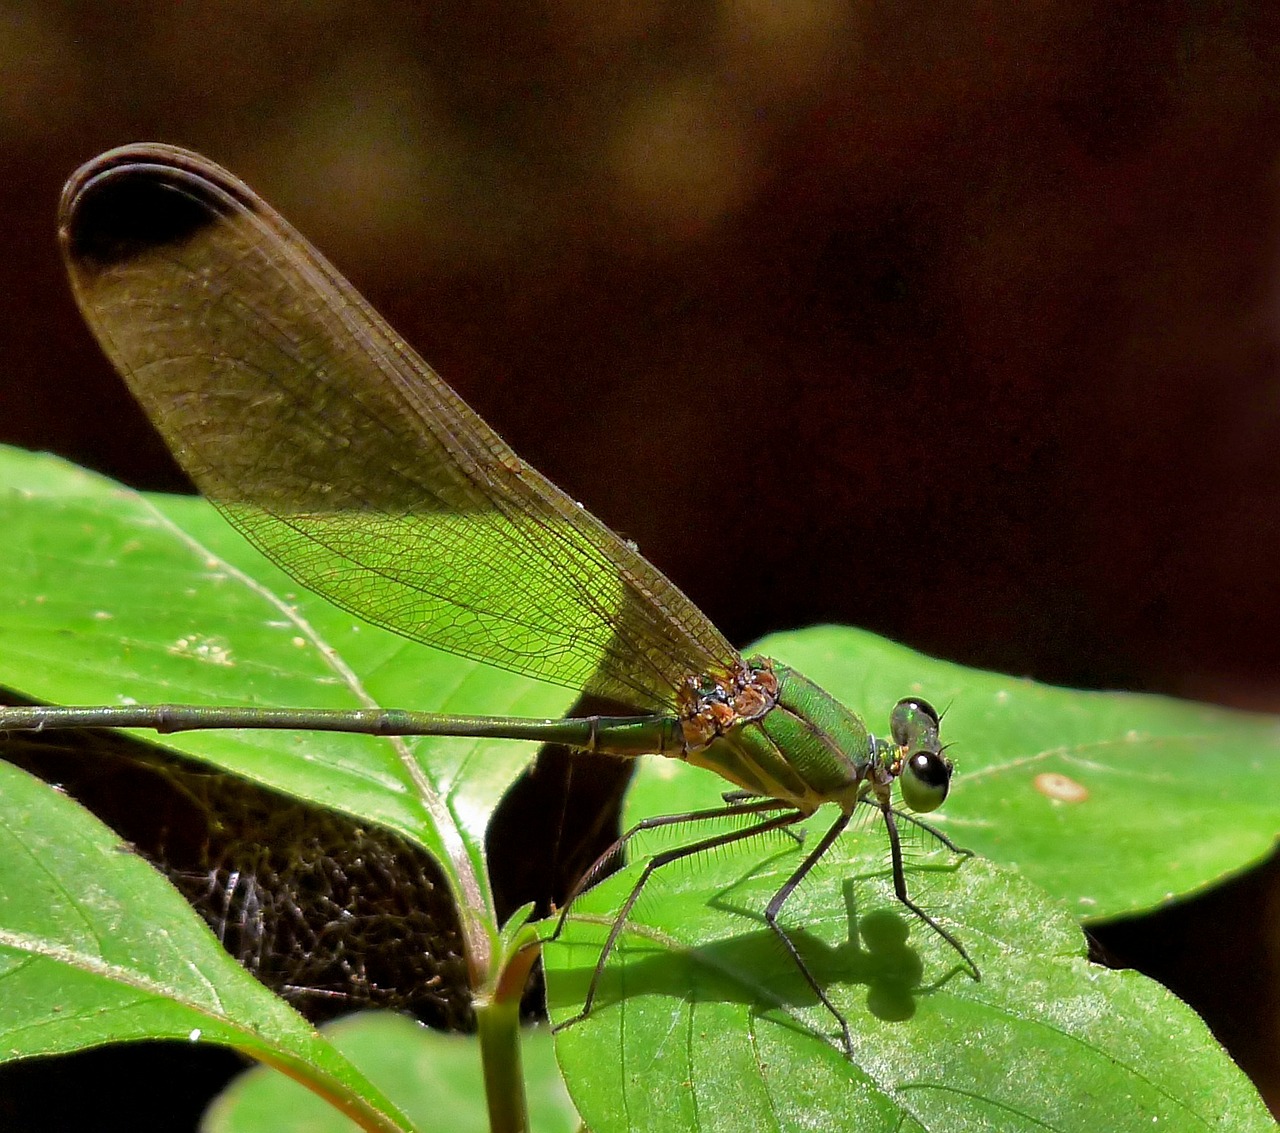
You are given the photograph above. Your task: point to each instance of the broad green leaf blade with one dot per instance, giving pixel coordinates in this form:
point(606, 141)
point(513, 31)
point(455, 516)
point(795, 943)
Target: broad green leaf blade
point(1115, 802)
point(703, 1023)
point(434, 1078)
point(96, 947)
point(113, 597)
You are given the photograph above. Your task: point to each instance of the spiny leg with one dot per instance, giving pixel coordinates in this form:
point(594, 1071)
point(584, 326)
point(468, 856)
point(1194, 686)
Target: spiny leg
point(900, 888)
point(732, 808)
point(738, 797)
point(775, 907)
point(927, 827)
point(776, 822)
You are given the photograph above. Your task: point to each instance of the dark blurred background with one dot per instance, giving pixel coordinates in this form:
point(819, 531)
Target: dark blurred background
point(954, 321)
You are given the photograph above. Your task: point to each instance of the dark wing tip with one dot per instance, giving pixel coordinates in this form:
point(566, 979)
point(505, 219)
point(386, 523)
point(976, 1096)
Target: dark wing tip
point(134, 200)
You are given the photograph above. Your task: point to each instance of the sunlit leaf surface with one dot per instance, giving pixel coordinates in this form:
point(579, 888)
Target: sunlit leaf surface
point(119, 598)
point(701, 1020)
point(96, 947)
point(1113, 801)
point(703, 1023)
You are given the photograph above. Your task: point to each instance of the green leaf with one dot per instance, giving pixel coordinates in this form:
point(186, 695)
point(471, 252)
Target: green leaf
point(709, 1025)
point(703, 1023)
point(434, 1078)
point(1115, 802)
point(115, 597)
point(79, 965)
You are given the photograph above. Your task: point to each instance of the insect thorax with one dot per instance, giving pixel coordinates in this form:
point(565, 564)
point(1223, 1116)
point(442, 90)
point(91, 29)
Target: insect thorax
point(803, 746)
point(711, 706)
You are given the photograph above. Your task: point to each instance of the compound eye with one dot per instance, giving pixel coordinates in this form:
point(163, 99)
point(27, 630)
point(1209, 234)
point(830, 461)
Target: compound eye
point(925, 781)
point(914, 723)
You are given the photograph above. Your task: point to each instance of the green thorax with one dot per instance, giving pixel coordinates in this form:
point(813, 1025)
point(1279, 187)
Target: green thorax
point(808, 749)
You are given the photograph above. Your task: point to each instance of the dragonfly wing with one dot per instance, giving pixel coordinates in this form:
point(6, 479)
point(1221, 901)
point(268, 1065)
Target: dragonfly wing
point(334, 448)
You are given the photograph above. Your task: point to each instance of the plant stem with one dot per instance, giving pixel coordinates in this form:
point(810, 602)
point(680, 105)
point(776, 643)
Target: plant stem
point(498, 1021)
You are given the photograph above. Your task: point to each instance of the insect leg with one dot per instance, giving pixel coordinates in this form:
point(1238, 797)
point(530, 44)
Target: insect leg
point(771, 919)
point(900, 888)
point(927, 827)
point(592, 875)
point(775, 822)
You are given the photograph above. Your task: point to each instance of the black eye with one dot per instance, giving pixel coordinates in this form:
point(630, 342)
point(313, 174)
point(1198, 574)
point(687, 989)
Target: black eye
point(931, 769)
point(925, 781)
point(928, 710)
point(914, 723)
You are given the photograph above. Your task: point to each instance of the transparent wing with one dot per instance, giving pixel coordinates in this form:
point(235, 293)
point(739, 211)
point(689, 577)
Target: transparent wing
point(336, 450)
